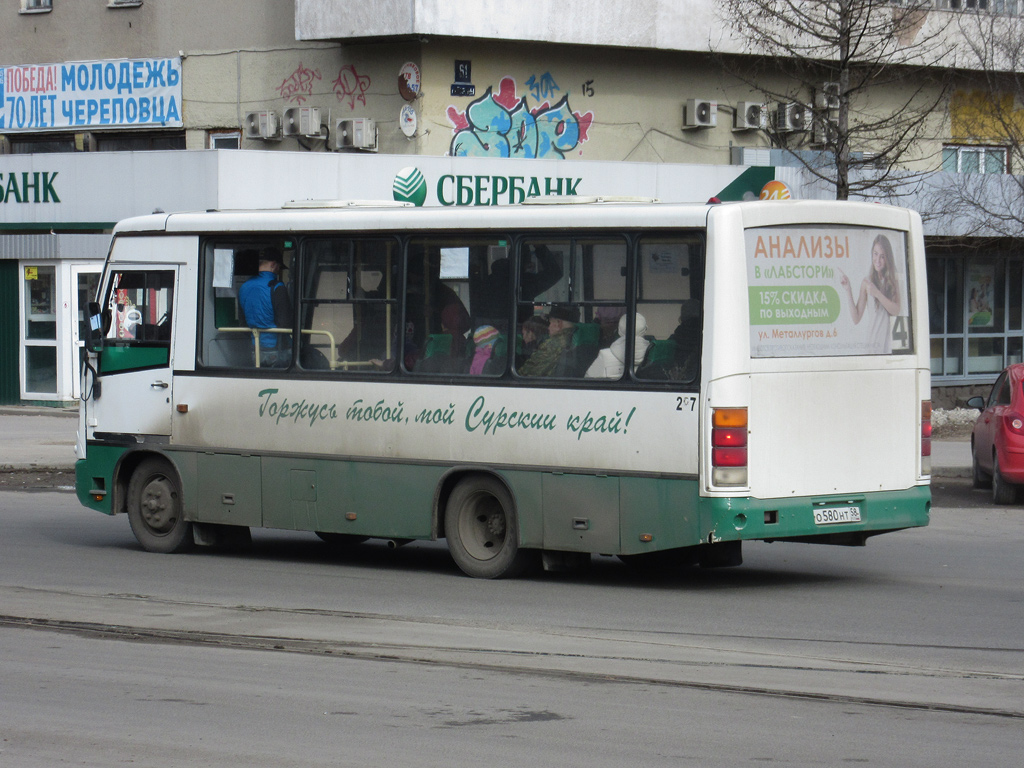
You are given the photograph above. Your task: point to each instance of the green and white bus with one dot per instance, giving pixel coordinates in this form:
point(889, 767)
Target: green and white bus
point(533, 383)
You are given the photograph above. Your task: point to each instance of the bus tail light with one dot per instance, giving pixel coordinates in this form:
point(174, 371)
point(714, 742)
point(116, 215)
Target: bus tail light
point(729, 446)
point(926, 437)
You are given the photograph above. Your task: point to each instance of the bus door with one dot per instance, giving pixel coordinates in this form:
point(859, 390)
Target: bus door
point(133, 367)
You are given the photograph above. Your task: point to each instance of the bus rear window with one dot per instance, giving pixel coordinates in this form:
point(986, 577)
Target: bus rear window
point(828, 291)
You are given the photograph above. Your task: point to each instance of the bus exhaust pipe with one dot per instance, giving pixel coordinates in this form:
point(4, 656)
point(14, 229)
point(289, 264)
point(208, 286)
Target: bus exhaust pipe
point(396, 543)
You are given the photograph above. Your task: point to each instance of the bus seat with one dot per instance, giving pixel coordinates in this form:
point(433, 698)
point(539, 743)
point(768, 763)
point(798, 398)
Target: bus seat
point(496, 362)
point(658, 361)
point(587, 335)
point(661, 351)
point(500, 347)
point(438, 345)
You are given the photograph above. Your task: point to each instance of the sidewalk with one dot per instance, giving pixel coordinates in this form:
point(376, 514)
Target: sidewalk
point(37, 438)
point(951, 458)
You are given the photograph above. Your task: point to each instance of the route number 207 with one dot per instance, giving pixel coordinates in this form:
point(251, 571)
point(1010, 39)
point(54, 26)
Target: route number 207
point(686, 403)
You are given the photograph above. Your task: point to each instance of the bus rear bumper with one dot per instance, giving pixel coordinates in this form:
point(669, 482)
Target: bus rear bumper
point(848, 519)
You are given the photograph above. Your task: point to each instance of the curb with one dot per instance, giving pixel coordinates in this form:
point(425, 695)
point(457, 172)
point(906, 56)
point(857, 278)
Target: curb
point(951, 472)
point(38, 410)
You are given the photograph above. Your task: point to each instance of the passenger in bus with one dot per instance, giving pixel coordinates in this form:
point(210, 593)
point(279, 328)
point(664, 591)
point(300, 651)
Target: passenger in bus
point(561, 327)
point(676, 358)
point(611, 361)
point(265, 303)
point(455, 322)
point(484, 338)
point(538, 274)
point(367, 338)
point(607, 319)
point(534, 331)
point(446, 352)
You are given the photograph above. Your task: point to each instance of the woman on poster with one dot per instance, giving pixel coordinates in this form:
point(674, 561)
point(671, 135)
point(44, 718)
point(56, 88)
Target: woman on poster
point(879, 293)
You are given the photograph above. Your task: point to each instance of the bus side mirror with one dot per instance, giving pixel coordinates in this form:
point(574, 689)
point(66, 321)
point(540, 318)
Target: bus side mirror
point(94, 338)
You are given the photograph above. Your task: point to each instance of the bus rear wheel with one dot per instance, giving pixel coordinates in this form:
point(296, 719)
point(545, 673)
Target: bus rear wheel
point(155, 510)
point(481, 526)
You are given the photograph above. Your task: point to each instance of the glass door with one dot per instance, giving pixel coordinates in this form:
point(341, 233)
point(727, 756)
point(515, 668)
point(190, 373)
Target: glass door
point(39, 331)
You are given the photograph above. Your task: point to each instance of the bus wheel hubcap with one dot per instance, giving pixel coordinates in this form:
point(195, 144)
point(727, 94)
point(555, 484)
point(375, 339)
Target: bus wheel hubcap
point(158, 505)
point(483, 527)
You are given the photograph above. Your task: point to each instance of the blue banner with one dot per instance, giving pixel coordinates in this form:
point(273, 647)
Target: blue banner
point(113, 93)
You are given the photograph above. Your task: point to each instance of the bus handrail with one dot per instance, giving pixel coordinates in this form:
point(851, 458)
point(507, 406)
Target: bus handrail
point(332, 358)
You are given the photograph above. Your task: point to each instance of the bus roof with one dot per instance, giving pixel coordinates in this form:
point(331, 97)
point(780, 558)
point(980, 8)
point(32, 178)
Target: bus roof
point(589, 213)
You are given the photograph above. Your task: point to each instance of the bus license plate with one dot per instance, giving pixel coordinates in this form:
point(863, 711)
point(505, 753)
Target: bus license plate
point(833, 515)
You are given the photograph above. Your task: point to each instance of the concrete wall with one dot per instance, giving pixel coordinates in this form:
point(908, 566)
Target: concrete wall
point(669, 25)
point(626, 97)
point(77, 30)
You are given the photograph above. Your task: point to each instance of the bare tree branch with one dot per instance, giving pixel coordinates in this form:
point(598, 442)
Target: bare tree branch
point(887, 66)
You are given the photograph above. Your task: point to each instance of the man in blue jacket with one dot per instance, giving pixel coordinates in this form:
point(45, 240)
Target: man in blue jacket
point(265, 303)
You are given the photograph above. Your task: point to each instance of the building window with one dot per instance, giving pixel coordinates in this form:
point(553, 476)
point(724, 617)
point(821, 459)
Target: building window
point(123, 3)
point(973, 159)
point(976, 309)
point(36, 6)
point(138, 142)
point(37, 144)
point(953, 5)
point(224, 139)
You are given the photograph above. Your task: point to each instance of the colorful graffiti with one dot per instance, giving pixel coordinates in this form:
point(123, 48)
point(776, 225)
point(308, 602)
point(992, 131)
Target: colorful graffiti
point(299, 84)
point(351, 85)
point(502, 125)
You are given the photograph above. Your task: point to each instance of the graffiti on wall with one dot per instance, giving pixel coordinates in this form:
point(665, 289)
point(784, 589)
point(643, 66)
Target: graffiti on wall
point(298, 86)
point(503, 125)
point(351, 86)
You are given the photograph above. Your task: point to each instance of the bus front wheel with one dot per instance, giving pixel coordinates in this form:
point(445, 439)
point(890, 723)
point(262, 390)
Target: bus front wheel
point(155, 510)
point(482, 529)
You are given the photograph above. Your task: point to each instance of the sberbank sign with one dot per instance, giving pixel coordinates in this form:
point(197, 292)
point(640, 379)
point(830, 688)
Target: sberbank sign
point(499, 190)
point(27, 187)
point(458, 189)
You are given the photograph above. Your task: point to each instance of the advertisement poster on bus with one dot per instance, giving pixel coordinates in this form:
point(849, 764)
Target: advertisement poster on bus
point(821, 291)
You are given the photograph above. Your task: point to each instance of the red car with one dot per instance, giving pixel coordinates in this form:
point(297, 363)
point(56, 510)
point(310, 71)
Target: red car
point(997, 442)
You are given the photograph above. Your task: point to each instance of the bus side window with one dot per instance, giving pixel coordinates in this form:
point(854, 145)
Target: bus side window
point(669, 294)
point(571, 295)
point(457, 306)
point(348, 311)
point(228, 336)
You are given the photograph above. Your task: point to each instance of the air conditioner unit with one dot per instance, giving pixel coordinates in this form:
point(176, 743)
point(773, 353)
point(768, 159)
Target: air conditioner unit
point(262, 125)
point(789, 116)
point(301, 121)
point(355, 133)
point(826, 131)
point(828, 96)
point(749, 116)
point(700, 113)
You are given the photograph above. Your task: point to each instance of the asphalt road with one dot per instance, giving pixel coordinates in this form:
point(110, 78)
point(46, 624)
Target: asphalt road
point(906, 652)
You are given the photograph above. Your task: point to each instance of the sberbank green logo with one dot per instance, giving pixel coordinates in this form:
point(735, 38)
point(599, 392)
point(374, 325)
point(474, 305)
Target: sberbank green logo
point(410, 186)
